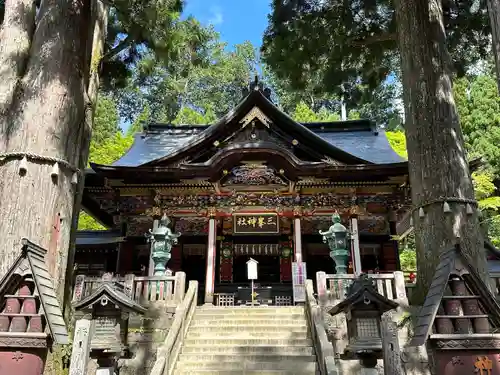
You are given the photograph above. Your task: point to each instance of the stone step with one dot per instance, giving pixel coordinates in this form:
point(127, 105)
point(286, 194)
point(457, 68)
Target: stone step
point(258, 315)
point(231, 340)
point(242, 320)
point(251, 310)
point(246, 365)
point(250, 328)
point(227, 334)
point(245, 372)
point(260, 357)
point(245, 349)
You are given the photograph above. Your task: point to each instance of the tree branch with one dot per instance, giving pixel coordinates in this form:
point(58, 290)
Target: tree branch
point(386, 37)
point(125, 43)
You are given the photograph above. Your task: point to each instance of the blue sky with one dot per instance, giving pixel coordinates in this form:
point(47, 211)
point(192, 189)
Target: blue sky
point(236, 20)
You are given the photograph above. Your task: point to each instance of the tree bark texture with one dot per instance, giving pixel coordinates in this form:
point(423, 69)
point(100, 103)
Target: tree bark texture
point(438, 166)
point(50, 115)
point(494, 14)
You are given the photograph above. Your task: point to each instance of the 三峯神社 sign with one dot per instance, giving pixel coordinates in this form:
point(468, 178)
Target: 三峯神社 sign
point(255, 223)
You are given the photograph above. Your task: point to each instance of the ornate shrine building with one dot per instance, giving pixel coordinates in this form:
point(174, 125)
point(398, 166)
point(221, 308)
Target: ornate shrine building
point(255, 184)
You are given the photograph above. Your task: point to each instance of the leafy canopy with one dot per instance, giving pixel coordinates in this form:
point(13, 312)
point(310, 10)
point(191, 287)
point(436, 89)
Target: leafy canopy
point(338, 45)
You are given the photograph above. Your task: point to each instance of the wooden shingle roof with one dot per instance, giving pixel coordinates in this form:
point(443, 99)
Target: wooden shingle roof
point(459, 299)
point(31, 264)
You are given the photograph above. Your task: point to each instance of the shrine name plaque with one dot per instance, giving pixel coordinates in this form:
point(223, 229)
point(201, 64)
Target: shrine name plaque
point(264, 223)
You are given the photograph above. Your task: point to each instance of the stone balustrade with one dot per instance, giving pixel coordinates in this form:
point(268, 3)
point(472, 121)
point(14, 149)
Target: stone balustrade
point(142, 289)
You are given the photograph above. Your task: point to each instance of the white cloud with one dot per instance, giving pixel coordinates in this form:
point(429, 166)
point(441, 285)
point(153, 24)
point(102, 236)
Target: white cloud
point(216, 16)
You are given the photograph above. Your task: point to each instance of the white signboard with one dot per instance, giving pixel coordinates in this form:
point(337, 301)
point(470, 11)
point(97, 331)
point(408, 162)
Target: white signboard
point(299, 277)
point(252, 269)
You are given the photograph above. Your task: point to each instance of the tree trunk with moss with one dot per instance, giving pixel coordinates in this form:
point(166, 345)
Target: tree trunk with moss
point(438, 165)
point(48, 86)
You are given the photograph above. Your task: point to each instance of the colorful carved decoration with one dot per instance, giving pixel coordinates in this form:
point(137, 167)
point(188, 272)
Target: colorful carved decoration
point(269, 200)
point(256, 249)
point(192, 226)
point(226, 262)
point(253, 175)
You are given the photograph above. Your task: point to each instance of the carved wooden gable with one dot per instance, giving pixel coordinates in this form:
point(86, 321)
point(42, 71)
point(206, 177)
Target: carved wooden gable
point(459, 309)
point(28, 302)
point(253, 174)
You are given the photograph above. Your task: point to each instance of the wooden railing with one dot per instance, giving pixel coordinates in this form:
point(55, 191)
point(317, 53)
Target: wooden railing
point(323, 348)
point(333, 286)
point(168, 352)
point(142, 289)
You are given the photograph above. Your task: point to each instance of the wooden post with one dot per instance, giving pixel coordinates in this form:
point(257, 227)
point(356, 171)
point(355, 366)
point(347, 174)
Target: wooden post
point(297, 240)
point(390, 347)
point(179, 286)
point(129, 288)
point(210, 271)
point(400, 288)
point(81, 347)
point(355, 244)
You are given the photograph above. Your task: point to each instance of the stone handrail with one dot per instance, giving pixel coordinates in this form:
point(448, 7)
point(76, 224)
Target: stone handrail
point(334, 286)
point(324, 348)
point(142, 289)
point(167, 354)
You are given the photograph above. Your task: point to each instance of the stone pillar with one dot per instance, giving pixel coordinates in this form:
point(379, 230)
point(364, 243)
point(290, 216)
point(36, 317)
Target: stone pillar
point(81, 347)
point(211, 252)
point(297, 239)
point(356, 253)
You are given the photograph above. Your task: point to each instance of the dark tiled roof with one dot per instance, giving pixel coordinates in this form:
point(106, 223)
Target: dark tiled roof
point(97, 237)
point(156, 144)
point(116, 297)
point(349, 136)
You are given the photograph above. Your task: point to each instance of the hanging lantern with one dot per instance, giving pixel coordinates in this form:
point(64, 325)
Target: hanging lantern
point(23, 165)
point(55, 171)
point(446, 208)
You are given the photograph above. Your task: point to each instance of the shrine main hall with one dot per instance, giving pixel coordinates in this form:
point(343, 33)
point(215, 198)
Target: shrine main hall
point(256, 184)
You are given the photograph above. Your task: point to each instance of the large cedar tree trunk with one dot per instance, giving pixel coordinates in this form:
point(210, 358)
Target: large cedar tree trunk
point(494, 13)
point(436, 153)
point(48, 84)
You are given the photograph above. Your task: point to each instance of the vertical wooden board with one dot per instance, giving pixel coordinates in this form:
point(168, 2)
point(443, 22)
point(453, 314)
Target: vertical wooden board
point(391, 349)
point(81, 348)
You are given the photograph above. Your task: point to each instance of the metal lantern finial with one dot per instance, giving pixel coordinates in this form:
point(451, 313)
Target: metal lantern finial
point(23, 165)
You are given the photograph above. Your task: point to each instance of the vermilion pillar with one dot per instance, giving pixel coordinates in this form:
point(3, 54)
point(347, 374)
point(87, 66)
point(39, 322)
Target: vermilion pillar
point(297, 236)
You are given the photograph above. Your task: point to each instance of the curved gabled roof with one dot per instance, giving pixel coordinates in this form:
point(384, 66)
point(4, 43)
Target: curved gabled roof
point(352, 142)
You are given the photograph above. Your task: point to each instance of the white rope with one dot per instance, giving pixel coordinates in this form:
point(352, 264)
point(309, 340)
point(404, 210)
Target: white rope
point(38, 157)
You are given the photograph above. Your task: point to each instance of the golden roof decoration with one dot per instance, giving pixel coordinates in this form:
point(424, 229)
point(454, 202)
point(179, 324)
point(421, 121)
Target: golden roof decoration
point(255, 113)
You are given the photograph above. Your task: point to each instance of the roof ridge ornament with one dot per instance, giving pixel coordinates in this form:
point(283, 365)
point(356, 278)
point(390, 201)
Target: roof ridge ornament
point(255, 113)
point(257, 85)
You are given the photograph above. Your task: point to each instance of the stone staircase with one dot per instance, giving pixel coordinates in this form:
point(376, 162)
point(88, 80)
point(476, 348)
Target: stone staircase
point(247, 340)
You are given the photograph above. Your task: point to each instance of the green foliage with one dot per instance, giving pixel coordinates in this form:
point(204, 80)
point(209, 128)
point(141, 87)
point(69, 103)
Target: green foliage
point(479, 109)
point(407, 253)
point(397, 140)
point(153, 28)
point(140, 121)
point(303, 113)
point(211, 89)
point(342, 46)
point(108, 144)
point(188, 116)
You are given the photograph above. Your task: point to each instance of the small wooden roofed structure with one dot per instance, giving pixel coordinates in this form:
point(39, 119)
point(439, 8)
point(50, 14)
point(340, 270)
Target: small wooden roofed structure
point(28, 280)
point(459, 311)
point(108, 292)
